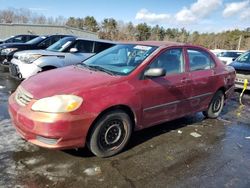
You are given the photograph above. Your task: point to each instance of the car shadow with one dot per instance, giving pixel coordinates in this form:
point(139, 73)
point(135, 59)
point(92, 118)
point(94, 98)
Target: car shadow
point(144, 135)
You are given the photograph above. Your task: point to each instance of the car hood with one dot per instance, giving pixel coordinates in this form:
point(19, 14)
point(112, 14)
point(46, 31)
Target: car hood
point(40, 52)
point(240, 66)
point(67, 80)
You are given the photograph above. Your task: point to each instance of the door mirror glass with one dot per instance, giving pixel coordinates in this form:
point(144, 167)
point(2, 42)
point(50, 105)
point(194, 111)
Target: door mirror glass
point(155, 72)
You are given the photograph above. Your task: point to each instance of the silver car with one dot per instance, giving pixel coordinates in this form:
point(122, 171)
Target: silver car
point(65, 52)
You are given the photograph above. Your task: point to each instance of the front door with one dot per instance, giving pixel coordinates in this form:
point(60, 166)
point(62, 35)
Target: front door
point(164, 97)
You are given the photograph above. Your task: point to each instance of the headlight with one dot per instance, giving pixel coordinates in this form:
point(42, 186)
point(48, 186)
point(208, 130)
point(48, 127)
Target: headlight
point(6, 51)
point(58, 104)
point(29, 58)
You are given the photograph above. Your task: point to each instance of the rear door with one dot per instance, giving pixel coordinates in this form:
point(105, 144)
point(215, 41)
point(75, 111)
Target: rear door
point(201, 67)
point(164, 97)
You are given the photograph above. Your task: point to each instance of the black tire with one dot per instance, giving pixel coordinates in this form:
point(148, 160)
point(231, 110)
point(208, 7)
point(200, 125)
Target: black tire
point(47, 68)
point(215, 106)
point(110, 134)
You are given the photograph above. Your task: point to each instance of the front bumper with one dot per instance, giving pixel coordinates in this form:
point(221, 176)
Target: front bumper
point(49, 130)
point(5, 60)
point(20, 70)
point(239, 81)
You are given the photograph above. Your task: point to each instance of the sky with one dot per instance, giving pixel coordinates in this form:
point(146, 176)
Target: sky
point(194, 15)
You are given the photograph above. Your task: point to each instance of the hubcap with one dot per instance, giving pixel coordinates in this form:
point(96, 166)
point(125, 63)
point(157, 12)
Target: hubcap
point(217, 105)
point(112, 134)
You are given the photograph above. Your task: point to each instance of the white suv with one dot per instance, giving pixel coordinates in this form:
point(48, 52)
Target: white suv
point(65, 52)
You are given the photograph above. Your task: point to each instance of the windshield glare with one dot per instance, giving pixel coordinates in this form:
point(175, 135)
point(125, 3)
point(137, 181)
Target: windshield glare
point(36, 40)
point(244, 58)
point(121, 59)
point(61, 45)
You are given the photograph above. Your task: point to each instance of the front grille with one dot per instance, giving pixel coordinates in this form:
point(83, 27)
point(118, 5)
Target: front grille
point(22, 97)
point(13, 69)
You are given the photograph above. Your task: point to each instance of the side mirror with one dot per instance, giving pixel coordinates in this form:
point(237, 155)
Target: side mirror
point(233, 59)
point(155, 72)
point(73, 50)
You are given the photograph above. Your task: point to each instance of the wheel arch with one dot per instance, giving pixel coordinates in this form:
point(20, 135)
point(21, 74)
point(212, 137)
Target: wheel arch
point(223, 89)
point(122, 107)
point(48, 67)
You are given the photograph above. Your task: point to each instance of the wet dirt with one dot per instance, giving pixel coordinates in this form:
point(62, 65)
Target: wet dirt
point(166, 155)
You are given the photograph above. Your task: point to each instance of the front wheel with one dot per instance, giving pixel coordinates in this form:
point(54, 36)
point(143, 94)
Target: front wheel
point(110, 134)
point(215, 106)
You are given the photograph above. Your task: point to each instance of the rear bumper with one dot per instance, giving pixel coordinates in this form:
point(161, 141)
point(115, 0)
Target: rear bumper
point(54, 131)
point(229, 92)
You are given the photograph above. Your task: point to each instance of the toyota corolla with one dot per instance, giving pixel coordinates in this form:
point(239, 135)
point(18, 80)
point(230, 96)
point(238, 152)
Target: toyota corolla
point(128, 87)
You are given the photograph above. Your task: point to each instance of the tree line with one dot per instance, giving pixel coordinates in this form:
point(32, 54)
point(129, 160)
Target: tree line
point(111, 29)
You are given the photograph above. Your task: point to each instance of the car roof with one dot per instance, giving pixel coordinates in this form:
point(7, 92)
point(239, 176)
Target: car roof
point(156, 43)
point(97, 40)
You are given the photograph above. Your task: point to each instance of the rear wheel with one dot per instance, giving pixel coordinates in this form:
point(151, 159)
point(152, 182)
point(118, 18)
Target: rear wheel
point(110, 134)
point(215, 106)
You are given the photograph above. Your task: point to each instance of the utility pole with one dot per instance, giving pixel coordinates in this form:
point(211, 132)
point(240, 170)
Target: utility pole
point(239, 42)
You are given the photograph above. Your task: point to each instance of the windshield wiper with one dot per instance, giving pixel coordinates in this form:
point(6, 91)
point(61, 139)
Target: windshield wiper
point(96, 68)
point(100, 68)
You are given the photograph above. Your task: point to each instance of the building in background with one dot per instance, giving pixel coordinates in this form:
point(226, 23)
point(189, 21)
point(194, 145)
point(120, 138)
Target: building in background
point(7, 30)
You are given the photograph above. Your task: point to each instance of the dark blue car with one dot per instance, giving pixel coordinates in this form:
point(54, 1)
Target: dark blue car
point(242, 67)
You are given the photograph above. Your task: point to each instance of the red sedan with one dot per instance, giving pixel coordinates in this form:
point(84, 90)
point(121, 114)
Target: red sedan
point(128, 87)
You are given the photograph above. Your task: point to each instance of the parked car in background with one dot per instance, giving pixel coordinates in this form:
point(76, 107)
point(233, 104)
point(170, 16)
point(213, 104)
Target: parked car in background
point(217, 51)
point(228, 56)
point(242, 67)
point(42, 42)
point(18, 39)
point(127, 87)
point(65, 52)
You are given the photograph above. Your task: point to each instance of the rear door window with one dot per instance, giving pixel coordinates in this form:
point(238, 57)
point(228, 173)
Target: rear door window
point(199, 60)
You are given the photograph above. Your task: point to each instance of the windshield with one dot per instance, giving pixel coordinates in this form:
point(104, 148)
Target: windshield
point(36, 40)
point(121, 59)
point(229, 54)
point(244, 58)
point(61, 45)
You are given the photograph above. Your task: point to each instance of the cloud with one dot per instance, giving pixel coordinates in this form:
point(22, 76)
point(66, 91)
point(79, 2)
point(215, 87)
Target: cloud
point(153, 18)
point(185, 16)
point(234, 8)
point(245, 15)
point(197, 11)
